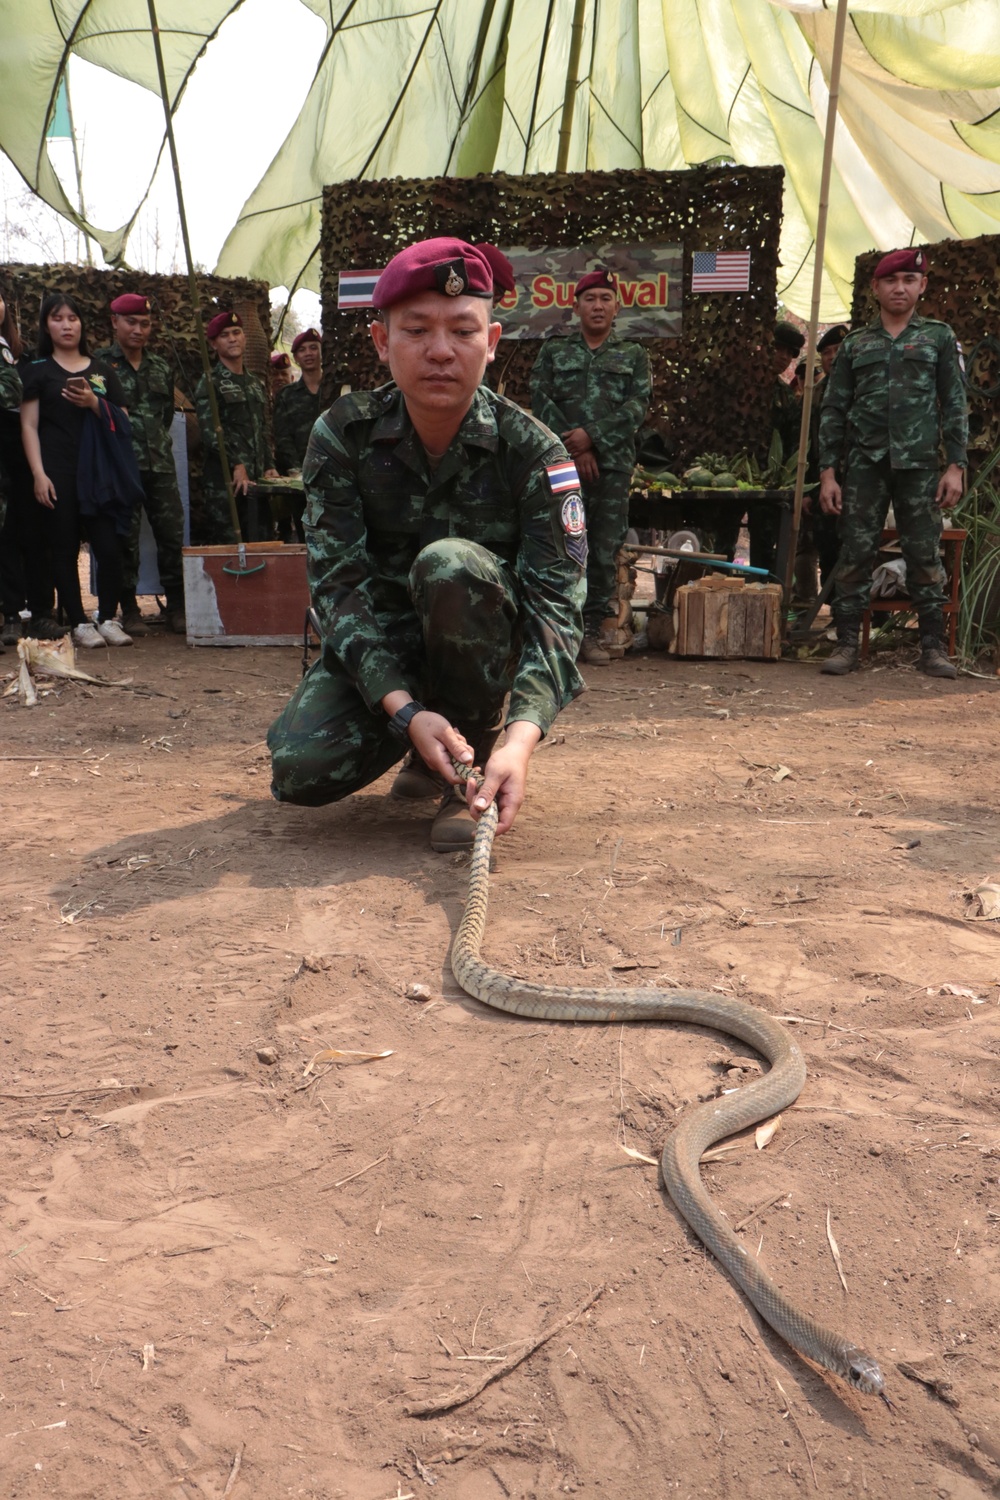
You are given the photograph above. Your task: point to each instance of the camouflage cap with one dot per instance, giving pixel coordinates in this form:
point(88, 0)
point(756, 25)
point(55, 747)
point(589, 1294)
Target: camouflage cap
point(222, 321)
point(131, 302)
point(307, 336)
point(603, 278)
point(901, 260)
point(445, 265)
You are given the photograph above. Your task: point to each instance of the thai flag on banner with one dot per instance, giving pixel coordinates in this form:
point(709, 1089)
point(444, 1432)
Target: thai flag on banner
point(563, 477)
point(720, 271)
point(356, 287)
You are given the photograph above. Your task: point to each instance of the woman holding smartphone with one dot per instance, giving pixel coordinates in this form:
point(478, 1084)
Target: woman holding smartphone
point(61, 390)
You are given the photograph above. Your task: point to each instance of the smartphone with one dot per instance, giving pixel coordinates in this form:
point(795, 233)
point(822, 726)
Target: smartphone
point(77, 383)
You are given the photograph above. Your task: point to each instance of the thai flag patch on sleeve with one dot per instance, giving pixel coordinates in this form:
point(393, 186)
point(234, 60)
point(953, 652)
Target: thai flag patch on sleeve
point(562, 477)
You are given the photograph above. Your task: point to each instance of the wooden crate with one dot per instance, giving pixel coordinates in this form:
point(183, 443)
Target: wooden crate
point(728, 618)
point(257, 597)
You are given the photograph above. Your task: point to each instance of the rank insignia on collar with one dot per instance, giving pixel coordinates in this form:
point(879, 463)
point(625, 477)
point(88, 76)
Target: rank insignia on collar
point(451, 278)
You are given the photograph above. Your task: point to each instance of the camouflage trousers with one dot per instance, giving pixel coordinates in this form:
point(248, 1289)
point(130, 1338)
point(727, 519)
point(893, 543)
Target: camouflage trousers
point(457, 652)
point(605, 501)
point(868, 491)
point(162, 504)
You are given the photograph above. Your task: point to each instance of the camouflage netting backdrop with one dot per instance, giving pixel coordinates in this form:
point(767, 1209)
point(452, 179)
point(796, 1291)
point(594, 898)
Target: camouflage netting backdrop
point(709, 390)
point(963, 289)
point(174, 332)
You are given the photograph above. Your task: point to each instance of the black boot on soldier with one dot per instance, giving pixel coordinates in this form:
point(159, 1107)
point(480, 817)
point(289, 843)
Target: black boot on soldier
point(415, 780)
point(844, 658)
point(933, 657)
point(454, 827)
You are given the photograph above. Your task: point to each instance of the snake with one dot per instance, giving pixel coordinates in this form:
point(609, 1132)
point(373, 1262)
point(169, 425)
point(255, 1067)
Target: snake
point(700, 1128)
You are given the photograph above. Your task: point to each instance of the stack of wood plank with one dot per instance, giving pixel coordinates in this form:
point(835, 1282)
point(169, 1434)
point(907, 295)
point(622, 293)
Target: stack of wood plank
point(728, 617)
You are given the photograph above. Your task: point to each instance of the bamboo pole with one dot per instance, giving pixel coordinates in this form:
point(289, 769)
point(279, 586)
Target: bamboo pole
point(569, 97)
point(206, 362)
point(817, 287)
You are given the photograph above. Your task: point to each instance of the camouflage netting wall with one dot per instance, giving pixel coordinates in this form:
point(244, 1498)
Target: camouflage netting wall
point(963, 290)
point(709, 390)
point(174, 332)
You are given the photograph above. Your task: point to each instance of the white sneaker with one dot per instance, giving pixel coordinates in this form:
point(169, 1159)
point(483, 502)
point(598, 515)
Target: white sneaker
point(87, 635)
point(111, 632)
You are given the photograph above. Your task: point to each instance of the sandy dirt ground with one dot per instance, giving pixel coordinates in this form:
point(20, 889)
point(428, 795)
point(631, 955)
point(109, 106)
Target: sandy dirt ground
point(228, 1276)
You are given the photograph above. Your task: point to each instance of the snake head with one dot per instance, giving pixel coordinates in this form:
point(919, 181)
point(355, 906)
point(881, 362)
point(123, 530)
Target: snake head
point(862, 1372)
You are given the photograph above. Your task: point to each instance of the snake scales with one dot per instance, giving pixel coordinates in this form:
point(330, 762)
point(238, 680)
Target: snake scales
point(701, 1128)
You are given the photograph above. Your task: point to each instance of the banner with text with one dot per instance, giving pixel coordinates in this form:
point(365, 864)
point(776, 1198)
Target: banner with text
point(649, 289)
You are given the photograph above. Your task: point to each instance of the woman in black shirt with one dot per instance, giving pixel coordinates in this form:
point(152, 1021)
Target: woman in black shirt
point(25, 578)
point(61, 390)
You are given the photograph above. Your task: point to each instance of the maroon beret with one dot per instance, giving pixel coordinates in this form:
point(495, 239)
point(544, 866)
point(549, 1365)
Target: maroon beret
point(503, 271)
point(449, 266)
point(280, 360)
point(901, 260)
point(222, 321)
point(605, 279)
point(309, 336)
point(131, 302)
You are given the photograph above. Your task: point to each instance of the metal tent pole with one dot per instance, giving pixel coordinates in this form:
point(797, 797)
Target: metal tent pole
point(206, 362)
point(821, 218)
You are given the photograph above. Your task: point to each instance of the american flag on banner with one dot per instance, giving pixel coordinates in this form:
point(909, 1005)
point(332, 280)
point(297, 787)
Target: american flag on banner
point(720, 271)
point(355, 288)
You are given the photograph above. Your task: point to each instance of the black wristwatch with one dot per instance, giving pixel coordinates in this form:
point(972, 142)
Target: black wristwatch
point(399, 724)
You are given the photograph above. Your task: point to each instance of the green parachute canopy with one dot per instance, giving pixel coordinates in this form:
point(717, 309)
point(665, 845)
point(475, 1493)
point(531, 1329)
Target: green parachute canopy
point(421, 88)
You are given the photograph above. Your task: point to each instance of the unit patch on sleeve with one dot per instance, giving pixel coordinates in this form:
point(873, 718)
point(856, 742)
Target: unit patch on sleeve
point(574, 525)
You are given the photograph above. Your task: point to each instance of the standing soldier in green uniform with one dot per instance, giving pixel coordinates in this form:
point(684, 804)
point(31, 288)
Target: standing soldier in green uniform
point(446, 552)
point(894, 398)
point(593, 389)
point(148, 384)
point(243, 413)
point(296, 406)
point(296, 412)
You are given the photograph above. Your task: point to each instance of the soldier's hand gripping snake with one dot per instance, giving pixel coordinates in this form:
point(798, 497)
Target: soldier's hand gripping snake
point(698, 1130)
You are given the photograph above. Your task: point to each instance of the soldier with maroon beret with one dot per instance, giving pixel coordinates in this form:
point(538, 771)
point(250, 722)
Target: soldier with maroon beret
point(446, 550)
point(148, 383)
point(593, 388)
point(242, 405)
point(893, 399)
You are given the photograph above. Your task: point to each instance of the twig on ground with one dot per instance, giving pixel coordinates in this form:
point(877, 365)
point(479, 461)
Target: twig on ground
point(234, 1471)
point(835, 1252)
point(461, 1398)
point(761, 1208)
point(359, 1173)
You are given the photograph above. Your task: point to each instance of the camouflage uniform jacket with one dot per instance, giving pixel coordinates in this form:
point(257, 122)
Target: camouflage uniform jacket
point(899, 398)
point(149, 396)
point(604, 390)
point(10, 380)
point(296, 411)
point(243, 414)
point(373, 503)
point(786, 415)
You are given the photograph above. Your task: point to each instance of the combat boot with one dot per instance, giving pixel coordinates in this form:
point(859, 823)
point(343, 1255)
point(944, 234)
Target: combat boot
point(415, 779)
point(844, 657)
point(454, 827)
point(593, 652)
point(132, 619)
point(934, 659)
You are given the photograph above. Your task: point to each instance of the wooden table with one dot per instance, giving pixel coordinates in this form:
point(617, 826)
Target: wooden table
point(952, 542)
